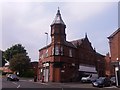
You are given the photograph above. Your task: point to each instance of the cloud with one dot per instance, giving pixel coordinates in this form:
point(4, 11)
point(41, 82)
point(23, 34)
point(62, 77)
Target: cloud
point(60, 0)
point(26, 22)
point(84, 10)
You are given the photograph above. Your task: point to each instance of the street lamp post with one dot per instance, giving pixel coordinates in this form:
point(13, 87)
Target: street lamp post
point(45, 77)
point(46, 39)
point(118, 73)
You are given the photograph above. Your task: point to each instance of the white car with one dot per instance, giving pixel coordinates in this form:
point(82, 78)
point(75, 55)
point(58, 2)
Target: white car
point(89, 78)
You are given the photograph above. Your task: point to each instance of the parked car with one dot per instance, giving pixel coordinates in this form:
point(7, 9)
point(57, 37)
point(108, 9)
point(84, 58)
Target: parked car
point(102, 82)
point(113, 81)
point(12, 77)
point(89, 78)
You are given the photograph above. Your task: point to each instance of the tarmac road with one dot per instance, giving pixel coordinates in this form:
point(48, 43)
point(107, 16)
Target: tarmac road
point(29, 83)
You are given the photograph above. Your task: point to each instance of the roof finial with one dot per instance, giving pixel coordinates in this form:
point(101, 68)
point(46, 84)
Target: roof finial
point(58, 18)
point(85, 35)
point(58, 8)
point(58, 12)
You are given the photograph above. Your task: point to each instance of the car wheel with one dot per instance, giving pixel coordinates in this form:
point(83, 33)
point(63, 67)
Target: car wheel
point(101, 86)
point(7, 79)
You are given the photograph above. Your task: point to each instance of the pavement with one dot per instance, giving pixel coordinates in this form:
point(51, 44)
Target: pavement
point(71, 85)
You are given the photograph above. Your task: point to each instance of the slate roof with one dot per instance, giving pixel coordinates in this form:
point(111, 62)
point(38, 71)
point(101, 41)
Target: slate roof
point(77, 42)
point(58, 19)
point(45, 47)
point(69, 44)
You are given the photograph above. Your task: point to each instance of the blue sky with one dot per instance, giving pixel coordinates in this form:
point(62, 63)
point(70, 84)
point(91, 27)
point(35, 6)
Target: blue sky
point(27, 22)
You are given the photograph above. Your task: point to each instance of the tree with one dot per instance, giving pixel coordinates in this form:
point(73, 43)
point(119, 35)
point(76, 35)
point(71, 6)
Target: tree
point(2, 59)
point(17, 57)
point(10, 52)
point(20, 62)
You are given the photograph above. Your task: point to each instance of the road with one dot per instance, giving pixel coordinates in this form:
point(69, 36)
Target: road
point(23, 83)
point(29, 83)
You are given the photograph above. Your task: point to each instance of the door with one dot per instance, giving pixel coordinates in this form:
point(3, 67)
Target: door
point(46, 75)
point(57, 74)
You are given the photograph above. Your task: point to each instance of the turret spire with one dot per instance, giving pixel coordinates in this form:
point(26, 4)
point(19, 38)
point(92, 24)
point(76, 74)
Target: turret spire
point(58, 18)
point(86, 35)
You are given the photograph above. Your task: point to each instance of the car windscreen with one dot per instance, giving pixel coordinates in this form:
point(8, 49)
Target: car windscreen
point(13, 76)
point(100, 80)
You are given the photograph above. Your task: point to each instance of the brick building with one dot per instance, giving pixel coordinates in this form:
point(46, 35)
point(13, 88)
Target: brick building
point(34, 66)
point(114, 42)
point(63, 61)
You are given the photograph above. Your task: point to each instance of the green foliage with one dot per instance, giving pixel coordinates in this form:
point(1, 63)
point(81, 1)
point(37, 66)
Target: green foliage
point(28, 73)
point(10, 52)
point(2, 59)
point(17, 57)
point(19, 62)
point(1, 71)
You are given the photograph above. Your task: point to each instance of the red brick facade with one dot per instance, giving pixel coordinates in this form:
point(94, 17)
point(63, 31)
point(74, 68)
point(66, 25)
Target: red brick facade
point(114, 42)
point(34, 66)
point(60, 60)
point(108, 65)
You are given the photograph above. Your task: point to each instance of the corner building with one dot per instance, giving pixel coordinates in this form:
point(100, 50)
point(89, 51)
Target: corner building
point(114, 56)
point(63, 61)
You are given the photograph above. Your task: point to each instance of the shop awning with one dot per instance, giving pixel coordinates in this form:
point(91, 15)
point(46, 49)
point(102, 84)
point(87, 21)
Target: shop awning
point(86, 68)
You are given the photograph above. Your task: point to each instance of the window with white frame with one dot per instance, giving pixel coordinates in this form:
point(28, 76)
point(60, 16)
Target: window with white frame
point(53, 51)
point(46, 53)
point(70, 53)
point(61, 50)
point(56, 50)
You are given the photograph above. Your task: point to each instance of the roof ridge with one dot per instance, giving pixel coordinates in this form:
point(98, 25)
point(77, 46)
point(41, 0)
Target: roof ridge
point(114, 33)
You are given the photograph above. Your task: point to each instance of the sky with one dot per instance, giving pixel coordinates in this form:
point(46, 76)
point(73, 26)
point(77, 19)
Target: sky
point(26, 23)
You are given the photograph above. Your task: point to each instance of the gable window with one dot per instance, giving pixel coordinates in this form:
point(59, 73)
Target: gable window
point(56, 50)
point(70, 53)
